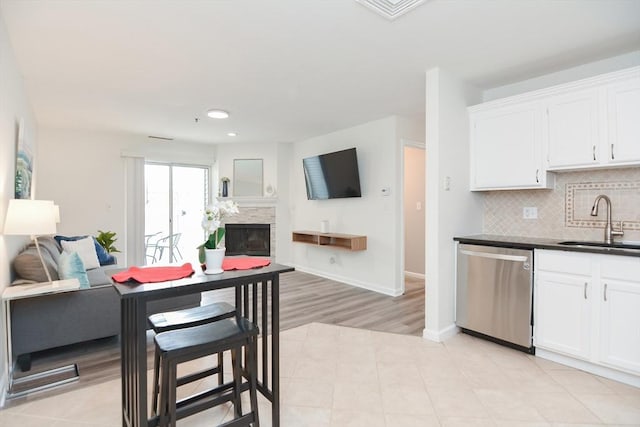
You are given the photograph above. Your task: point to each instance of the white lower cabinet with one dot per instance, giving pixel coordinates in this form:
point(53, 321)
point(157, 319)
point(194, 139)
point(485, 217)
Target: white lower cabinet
point(563, 320)
point(620, 313)
point(587, 308)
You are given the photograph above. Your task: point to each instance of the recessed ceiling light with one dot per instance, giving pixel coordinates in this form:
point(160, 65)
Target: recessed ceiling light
point(232, 134)
point(217, 114)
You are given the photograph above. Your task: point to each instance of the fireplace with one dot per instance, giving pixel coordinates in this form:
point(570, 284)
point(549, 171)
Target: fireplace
point(248, 239)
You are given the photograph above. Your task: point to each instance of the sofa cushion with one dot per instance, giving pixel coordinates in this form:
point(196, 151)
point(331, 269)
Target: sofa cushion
point(97, 276)
point(48, 243)
point(29, 267)
point(104, 257)
point(85, 248)
point(70, 266)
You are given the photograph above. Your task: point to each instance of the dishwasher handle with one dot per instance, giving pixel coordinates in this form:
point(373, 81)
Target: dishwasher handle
point(502, 257)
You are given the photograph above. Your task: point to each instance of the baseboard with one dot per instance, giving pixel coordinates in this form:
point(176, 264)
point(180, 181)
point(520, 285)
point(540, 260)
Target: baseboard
point(441, 335)
point(414, 275)
point(603, 371)
point(348, 281)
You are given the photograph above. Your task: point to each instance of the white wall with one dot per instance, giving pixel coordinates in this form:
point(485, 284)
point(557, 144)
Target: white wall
point(373, 215)
point(591, 69)
point(14, 106)
point(450, 212)
point(283, 211)
point(84, 174)
point(276, 160)
point(414, 219)
point(227, 153)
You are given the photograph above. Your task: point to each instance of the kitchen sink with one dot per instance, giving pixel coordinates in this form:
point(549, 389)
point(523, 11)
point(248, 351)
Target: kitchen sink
point(615, 245)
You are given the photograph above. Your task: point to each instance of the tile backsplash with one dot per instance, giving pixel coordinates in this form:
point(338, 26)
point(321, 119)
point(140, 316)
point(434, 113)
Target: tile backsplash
point(564, 212)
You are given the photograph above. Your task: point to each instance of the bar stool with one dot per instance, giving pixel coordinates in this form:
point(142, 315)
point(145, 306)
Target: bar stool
point(172, 320)
point(182, 345)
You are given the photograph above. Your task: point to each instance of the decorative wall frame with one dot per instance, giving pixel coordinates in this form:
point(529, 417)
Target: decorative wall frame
point(247, 177)
point(579, 199)
point(24, 164)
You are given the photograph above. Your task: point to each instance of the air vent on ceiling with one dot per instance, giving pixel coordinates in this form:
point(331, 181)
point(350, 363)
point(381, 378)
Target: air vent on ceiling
point(160, 138)
point(391, 9)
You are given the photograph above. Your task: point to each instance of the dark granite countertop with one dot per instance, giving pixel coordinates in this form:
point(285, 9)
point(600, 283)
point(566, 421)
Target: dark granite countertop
point(520, 242)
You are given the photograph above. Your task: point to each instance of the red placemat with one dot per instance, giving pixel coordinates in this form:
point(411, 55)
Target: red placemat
point(244, 263)
point(153, 274)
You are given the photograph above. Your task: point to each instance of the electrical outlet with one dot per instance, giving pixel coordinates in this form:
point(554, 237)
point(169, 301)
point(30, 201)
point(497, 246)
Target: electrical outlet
point(530, 212)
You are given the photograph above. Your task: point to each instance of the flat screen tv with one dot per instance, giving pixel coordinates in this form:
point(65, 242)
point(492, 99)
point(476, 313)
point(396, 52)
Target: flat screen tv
point(332, 175)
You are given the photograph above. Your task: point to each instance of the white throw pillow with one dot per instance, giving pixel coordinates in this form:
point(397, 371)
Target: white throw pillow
point(85, 248)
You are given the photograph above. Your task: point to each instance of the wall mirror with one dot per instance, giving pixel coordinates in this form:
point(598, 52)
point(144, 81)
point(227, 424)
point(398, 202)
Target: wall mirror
point(247, 177)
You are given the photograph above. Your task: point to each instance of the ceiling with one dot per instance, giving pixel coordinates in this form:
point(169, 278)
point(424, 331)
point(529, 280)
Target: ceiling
point(286, 70)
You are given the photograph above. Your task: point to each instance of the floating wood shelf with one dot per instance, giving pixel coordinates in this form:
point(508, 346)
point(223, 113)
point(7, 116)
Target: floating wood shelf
point(335, 240)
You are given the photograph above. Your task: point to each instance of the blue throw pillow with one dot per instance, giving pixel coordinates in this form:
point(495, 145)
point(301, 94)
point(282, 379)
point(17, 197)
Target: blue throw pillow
point(103, 256)
point(70, 266)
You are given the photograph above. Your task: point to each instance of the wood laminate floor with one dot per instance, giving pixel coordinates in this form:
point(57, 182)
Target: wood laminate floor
point(304, 298)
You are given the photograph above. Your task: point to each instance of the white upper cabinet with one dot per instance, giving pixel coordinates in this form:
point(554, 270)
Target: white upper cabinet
point(506, 147)
point(623, 120)
point(572, 130)
point(587, 124)
point(595, 127)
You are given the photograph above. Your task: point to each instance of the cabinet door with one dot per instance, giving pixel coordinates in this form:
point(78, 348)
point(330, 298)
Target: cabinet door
point(506, 148)
point(623, 113)
point(572, 126)
point(562, 315)
point(620, 312)
point(620, 325)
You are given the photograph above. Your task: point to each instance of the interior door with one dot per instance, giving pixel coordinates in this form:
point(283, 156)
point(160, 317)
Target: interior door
point(176, 196)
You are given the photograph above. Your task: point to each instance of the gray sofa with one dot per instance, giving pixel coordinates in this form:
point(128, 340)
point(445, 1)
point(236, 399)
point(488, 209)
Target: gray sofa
point(50, 321)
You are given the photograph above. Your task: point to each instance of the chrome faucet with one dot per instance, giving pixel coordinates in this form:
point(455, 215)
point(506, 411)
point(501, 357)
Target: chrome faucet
point(609, 232)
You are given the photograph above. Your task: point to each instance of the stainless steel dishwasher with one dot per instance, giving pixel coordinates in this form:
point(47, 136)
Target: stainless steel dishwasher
point(494, 293)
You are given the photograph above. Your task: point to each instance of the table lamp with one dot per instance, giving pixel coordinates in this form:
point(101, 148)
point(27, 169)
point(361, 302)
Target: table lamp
point(33, 218)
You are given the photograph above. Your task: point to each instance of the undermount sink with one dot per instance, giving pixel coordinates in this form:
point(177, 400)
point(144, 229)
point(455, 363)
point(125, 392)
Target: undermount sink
point(615, 245)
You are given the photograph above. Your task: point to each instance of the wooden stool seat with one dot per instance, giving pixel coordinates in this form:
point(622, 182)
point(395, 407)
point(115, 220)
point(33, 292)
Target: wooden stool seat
point(172, 320)
point(162, 322)
point(182, 345)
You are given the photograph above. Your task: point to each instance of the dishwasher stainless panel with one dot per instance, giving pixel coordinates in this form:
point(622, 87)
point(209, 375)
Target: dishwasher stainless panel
point(494, 292)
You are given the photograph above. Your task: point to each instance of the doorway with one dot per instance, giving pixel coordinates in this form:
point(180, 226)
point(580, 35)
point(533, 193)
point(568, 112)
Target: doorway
point(413, 212)
point(175, 197)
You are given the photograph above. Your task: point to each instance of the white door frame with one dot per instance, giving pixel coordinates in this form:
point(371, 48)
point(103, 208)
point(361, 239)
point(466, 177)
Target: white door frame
point(405, 143)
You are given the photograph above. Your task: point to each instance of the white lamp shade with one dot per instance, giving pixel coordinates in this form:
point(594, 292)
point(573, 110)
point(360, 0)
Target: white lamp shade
point(30, 217)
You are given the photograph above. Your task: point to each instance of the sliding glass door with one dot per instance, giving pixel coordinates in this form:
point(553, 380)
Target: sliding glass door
point(176, 196)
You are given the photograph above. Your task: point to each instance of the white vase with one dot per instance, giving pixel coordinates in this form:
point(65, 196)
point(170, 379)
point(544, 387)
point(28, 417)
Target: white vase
point(213, 260)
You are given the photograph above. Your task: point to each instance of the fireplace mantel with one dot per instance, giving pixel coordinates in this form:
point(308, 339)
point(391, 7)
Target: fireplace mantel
point(252, 201)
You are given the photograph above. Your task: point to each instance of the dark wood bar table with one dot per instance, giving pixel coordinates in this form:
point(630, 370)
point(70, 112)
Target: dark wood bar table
point(257, 298)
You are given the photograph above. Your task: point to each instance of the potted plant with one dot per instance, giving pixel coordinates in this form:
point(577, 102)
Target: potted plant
point(106, 239)
point(209, 252)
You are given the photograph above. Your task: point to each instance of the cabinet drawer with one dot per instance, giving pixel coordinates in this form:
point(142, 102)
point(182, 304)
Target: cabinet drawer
point(620, 267)
point(563, 262)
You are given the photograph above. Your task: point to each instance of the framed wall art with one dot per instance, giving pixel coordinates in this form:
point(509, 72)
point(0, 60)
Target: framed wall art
point(24, 164)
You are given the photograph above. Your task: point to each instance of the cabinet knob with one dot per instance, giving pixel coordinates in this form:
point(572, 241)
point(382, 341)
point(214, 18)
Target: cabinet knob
point(605, 292)
point(613, 157)
point(594, 152)
point(537, 171)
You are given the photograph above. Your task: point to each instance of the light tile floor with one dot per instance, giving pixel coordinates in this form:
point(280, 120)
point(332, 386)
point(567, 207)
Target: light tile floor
point(337, 376)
